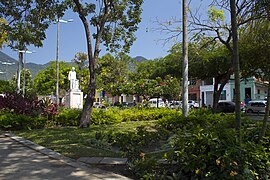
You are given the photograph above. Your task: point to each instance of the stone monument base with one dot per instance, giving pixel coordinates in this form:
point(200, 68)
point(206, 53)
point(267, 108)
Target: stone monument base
point(74, 99)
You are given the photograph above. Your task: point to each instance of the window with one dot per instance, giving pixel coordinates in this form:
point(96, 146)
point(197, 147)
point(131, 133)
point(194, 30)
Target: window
point(258, 91)
point(192, 82)
point(223, 95)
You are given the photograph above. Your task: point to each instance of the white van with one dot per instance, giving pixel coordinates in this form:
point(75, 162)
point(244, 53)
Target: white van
point(256, 106)
point(153, 102)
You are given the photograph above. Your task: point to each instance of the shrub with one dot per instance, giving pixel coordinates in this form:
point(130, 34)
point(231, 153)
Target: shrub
point(206, 146)
point(109, 116)
point(68, 117)
point(17, 103)
point(12, 121)
point(216, 154)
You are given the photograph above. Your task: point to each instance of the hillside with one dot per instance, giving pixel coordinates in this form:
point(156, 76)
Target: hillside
point(8, 71)
point(137, 59)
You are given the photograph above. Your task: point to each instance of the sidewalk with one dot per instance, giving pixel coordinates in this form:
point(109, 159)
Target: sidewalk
point(22, 159)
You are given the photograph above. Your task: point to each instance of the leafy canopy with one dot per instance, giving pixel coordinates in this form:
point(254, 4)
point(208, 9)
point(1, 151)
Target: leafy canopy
point(28, 20)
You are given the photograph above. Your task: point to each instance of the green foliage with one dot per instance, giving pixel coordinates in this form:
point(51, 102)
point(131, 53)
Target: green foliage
point(6, 87)
point(110, 116)
point(253, 47)
point(28, 20)
point(215, 14)
point(45, 84)
point(3, 34)
point(133, 143)
point(12, 121)
point(113, 73)
point(206, 147)
point(28, 82)
point(135, 114)
point(68, 117)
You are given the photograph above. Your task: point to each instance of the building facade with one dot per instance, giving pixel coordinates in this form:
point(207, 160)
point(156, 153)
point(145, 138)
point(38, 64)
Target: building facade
point(250, 89)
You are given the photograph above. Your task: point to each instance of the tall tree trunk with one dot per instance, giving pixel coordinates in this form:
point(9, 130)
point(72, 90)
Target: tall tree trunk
point(236, 66)
point(185, 61)
point(218, 90)
point(266, 115)
point(87, 108)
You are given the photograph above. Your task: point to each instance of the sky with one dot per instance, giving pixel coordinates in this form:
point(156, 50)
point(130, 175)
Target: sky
point(72, 36)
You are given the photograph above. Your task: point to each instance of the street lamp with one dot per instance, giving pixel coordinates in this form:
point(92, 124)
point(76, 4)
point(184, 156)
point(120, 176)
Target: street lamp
point(24, 63)
point(57, 56)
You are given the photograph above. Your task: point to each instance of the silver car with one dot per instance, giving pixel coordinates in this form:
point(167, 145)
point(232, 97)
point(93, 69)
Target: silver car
point(256, 106)
point(193, 104)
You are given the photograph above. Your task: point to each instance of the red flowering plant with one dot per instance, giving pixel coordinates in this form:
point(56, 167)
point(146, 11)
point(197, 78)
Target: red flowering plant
point(18, 104)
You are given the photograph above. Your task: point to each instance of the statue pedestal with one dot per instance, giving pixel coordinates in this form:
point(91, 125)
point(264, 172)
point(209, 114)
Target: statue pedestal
point(74, 99)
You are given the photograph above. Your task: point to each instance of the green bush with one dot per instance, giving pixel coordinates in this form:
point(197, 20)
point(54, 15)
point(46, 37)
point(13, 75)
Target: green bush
point(68, 117)
point(109, 116)
point(141, 114)
point(115, 115)
point(216, 154)
point(206, 146)
point(12, 121)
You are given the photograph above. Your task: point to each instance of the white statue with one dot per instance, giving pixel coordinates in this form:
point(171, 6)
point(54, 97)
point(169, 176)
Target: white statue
point(72, 78)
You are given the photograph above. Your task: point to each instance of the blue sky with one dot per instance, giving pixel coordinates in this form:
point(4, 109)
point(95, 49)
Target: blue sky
point(72, 35)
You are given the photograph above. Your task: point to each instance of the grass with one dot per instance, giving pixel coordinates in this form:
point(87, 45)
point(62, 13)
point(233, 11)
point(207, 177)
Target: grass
point(75, 142)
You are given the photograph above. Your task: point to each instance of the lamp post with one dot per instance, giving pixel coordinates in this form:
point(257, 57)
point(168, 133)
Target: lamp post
point(24, 64)
point(57, 56)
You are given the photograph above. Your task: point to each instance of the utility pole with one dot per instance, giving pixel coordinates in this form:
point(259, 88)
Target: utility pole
point(57, 56)
point(185, 61)
point(57, 63)
point(24, 69)
point(19, 72)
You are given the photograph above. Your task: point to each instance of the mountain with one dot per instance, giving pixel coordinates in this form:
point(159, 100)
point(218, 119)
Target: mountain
point(8, 67)
point(7, 71)
point(137, 59)
point(140, 59)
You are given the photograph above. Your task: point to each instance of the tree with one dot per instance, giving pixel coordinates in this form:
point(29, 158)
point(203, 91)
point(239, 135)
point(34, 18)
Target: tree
point(6, 87)
point(26, 23)
point(45, 84)
point(3, 34)
point(217, 29)
point(236, 65)
point(255, 49)
point(115, 23)
point(113, 73)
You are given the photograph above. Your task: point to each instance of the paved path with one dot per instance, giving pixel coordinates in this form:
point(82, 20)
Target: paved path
point(23, 160)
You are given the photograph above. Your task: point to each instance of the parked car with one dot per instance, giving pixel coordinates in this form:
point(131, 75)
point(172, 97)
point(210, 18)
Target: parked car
point(256, 106)
point(97, 105)
point(156, 102)
point(226, 106)
point(175, 104)
point(193, 104)
point(178, 104)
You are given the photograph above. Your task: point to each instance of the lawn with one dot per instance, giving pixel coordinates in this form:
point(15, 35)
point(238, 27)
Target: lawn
point(199, 146)
point(75, 142)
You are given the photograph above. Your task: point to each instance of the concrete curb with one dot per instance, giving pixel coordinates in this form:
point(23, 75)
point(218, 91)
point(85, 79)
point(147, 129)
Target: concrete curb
point(69, 161)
